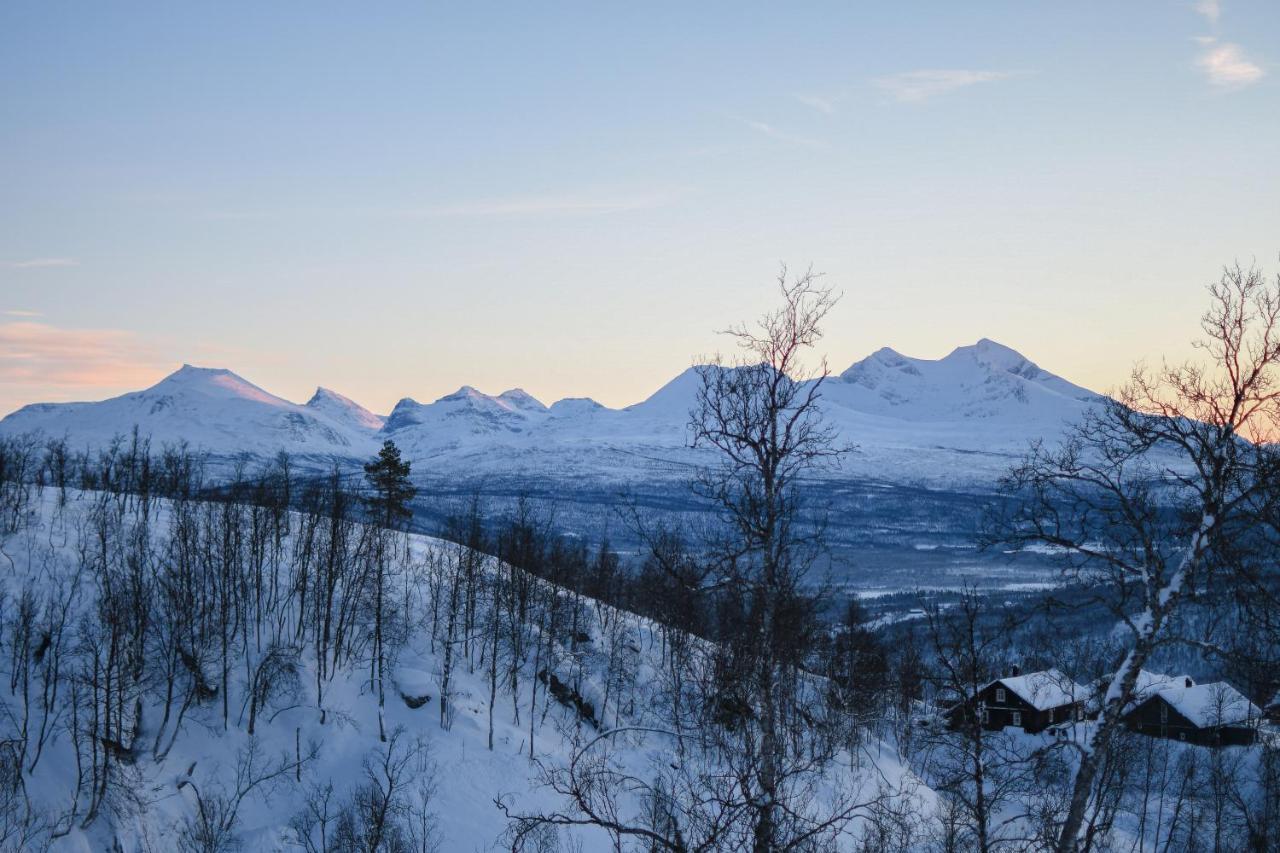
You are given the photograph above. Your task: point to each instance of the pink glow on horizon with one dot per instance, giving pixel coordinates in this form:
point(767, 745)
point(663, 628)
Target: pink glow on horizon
point(72, 361)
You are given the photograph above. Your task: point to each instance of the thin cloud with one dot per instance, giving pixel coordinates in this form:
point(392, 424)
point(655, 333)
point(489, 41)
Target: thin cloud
point(40, 355)
point(1227, 66)
point(916, 86)
point(824, 105)
point(782, 135)
point(39, 263)
point(585, 204)
point(18, 312)
point(1211, 9)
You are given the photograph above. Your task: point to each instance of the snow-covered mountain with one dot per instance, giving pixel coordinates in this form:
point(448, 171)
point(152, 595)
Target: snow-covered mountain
point(961, 418)
point(213, 410)
point(986, 380)
point(344, 410)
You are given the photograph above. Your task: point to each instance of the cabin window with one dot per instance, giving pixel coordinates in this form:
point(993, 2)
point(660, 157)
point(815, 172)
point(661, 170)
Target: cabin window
point(1182, 735)
point(999, 694)
point(986, 717)
point(1017, 718)
point(1079, 714)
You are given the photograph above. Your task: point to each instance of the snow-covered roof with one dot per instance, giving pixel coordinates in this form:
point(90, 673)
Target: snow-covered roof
point(1208, 705)
point(1149, 684)
point(1043, 690)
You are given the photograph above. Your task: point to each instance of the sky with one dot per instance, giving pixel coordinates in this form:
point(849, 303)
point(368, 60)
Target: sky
point(397, 199)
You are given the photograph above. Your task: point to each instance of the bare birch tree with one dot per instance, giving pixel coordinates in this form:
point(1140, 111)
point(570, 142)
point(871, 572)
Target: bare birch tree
point(1149, 494)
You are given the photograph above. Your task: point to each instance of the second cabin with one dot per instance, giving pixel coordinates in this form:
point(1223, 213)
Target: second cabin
point(1030, 702)
point(1208, 714)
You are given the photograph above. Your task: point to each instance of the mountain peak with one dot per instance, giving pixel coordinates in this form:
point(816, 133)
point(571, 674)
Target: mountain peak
point(344, 409)
point(522, 400)
point(575, 406)
point(405, 413)
point(867, 370)
point(214, 382)
point(324, 394)
point(466, 392)
point(996, 356)
point(191, 371)
point(991, 351)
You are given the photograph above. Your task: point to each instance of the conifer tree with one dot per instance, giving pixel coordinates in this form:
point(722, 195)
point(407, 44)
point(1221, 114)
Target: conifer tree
point(388, 476)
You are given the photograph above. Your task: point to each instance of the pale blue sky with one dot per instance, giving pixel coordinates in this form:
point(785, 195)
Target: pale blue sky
point(397, 199)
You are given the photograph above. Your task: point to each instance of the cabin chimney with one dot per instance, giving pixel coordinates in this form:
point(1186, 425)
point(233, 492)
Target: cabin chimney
point(1015, 671)
point(1189, 682)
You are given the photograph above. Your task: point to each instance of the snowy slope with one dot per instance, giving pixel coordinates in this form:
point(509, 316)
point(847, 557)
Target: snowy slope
point(959, 419)
point(467, 775)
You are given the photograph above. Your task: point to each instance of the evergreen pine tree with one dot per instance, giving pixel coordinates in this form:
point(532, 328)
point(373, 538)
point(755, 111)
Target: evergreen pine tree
point(388, 476)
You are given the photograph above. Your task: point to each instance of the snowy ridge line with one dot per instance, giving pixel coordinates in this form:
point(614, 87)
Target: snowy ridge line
point(961, 418)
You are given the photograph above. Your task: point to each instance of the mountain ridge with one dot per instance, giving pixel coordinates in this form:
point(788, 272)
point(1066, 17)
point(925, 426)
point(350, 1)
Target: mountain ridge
point(983, 397)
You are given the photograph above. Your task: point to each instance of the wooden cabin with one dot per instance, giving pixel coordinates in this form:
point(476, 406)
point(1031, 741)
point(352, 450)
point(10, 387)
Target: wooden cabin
point(1031, 702)
point(1207, 714)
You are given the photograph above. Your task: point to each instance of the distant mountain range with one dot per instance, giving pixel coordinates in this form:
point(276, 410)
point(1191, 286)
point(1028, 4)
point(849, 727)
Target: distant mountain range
point(958, 419)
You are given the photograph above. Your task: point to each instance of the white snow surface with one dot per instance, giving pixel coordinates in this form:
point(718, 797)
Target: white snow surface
point(467, 774)
point(959, 419)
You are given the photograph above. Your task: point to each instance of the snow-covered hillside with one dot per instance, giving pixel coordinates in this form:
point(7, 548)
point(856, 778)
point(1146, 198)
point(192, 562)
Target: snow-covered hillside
point(959, 419)
point(252, 727)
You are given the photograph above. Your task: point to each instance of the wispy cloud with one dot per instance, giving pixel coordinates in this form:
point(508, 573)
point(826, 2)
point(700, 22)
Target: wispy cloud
point(821, 103)
point(1223, 63)
point(1226, 65)
point(781, 135)
point(45, 356)
point(37, 263)
point(18, 312)
point(1211, 9)
point(568, 204)
point(915, 86)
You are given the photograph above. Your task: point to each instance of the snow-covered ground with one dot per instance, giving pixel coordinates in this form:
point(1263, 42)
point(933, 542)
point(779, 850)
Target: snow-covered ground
point(467, 777)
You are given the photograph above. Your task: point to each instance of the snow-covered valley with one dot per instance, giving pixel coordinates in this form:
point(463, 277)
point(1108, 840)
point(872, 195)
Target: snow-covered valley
point(927, 441)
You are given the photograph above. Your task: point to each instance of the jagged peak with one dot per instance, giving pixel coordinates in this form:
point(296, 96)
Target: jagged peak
point(403, 414)
point(405, 403)
point(323, 394)
point(333, 403)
